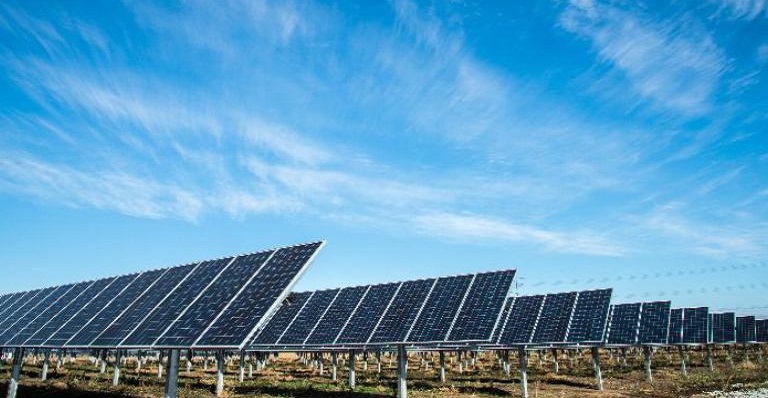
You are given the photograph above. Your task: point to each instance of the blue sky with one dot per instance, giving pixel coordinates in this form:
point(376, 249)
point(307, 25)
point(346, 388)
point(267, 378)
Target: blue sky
point(586, 143)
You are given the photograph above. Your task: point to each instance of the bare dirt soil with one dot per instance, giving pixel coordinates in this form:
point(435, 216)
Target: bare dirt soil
point(289, 377)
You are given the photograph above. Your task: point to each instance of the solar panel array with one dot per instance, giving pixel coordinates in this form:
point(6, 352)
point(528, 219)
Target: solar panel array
point(745, 329)
point(431, 311)
point(761, 330)
point(654, 323)
point(639, 323)
point(217, 303)
point(561, 318)
point(689, 326)
point(623, 324)
point(723, 328)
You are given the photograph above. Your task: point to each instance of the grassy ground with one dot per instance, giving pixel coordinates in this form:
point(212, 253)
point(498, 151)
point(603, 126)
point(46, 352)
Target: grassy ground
point(287, 377)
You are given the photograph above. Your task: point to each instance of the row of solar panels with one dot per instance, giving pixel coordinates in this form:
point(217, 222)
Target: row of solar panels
point(454, 309)
point(217, 303)
point(630, 324)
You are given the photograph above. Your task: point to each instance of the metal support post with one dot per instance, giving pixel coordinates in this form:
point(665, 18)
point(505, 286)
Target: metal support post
point(647, 357)
point(554, 360)
point(103, 362)
point(442, 366)
point(46, 362)
point(598, 371)
point(710, 359)
point(189, 361)
point(334, 365)
point(160, 365)
point(118, 363)
point(241, 377)
point(683, 370)
point(523, 358)
point(13, 383)
point(172, 379)
point(352, 369)
point(402, 363)
point(219, 373)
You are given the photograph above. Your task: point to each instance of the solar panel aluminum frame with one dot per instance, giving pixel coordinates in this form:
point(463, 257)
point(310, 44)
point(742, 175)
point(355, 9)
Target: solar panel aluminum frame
point(275, 305)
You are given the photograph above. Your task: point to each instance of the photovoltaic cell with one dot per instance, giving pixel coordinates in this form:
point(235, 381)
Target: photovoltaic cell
point(482, 306)
point(553, 321)
point(282, 319)
point(761, 330)
point(504, 316)
point(401, 314)
point(26, 303)
point(53, 324)
point(197, 317)
point(624, 323)
point(589, 316)
point(676, 326)
point(723, 327)
point(30, 311)
point(328, 329)
point(440, 310)
point(153, 326)
point(364, 319)
point(308, 317)
point(654, 322)
point(696, 325)
point(141, 307)
point(745, 329)
point(521, 321)
point(44, 316)
point(260, 296)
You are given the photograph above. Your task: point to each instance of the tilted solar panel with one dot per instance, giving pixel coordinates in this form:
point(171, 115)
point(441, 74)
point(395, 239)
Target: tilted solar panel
point(624, 324)
point(282, 319)
point(30, 311)
point(745, 329)
point(482, 306)
point(440, 310)
point(397, 320)
point(23, 308)
point(655, 322)
point(723, 327)
point(310, 314)
point(367, 314)
point(552, 326)
point(589, 317)
point(676, 326)
point(521, 320)
point(333, 321)
point(696, 325)
point(761, 330)
point(504, 317)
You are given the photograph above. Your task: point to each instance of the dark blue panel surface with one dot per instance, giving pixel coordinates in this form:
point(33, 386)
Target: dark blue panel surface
point(696, 325)
point(86, 313)
point(654, 322)
point(29, 312)
point(482, 307)
point(745, 329)
point(142, 306)
point(440, 310)
point(161, 317)
point(282, 319)
point(723, 327)
point(589, 316)
point(521, 322)
point(362, 322)
point(761, 330)
point(553, 321)
point(26, 301)
point(272, 283)
point(329, 327)
point(676, 326)
point(308, 317)
point(624, 323)
point(85, 336)
point(397, 321)
point(53, 324)
point(43, 316)
point(503, 320)
point(198, 316)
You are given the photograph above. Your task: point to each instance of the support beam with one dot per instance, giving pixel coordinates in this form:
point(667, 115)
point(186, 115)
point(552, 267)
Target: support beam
point(647, 357)
point(402, 370)
point(334, 365)
point(118, 363)
point(523, 358)
point(219, 373)
point(13, 383)
point(598, 371)
point(352, 369)
point(442, 366)
point(172, 379)
point(46, 363)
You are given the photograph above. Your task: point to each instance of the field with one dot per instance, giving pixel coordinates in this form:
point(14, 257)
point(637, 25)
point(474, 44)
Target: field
point(290, 377)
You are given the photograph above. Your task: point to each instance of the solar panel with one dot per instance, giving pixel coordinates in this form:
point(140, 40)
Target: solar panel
point(15, 302)
point(367, 314)
point(335, 318)
point(695, 325)
point(259, 298)
point(589, 317)
point(270, 334)
point(440, 310)
point(402, 312)
point(482, 307)
point(745, 329)
point(676, 326)
point(521, 321)
point(654, 322)
point(761, 330)
point(504, 317)
point(723, 327)
point(624, 323)
point(29, 312)
point(552, 326)
point(305, 321)
point(24, 308)
point(112, 335)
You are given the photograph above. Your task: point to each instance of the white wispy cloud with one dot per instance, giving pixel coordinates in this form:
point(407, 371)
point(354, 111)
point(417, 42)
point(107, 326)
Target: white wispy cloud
point(475, 227)
point(743, 9)
point(672, 64)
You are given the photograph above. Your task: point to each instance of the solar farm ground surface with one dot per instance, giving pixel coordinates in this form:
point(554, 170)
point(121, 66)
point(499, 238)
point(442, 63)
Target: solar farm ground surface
point(288, 378)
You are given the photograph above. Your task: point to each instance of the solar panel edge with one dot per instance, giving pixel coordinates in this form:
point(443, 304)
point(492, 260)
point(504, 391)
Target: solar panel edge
point(570, 317)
